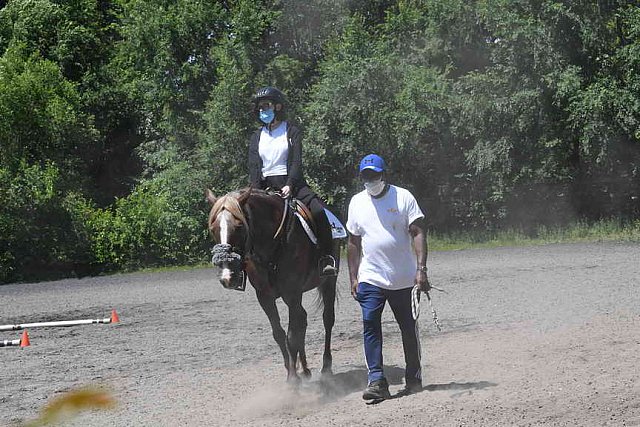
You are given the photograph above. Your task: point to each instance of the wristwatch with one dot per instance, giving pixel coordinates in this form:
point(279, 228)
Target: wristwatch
point(423, 268)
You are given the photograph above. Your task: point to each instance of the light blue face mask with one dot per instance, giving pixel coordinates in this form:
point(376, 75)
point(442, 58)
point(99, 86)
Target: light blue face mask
point(267, 116)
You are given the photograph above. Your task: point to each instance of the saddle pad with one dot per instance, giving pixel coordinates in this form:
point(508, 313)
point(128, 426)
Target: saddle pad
point(307, 228)
point(337, 229)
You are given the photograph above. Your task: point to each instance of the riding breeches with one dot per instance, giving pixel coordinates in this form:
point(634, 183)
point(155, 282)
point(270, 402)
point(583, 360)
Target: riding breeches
point(325, 238)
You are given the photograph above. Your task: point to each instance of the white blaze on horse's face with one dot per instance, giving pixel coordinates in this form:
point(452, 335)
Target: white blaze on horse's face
point(225, 219)
point(228, 227)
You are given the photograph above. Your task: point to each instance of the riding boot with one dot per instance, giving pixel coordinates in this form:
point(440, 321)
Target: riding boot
point(326, 262)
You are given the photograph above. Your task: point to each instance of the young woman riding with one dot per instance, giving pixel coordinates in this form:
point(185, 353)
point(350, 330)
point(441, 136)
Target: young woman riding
point(275, 161)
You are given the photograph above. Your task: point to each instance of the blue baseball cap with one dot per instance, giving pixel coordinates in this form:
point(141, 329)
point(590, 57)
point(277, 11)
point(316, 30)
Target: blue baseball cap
point(373, 162)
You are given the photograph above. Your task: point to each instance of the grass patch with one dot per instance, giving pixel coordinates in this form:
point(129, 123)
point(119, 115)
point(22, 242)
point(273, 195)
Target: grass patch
point(170, 268)
point(600, 231)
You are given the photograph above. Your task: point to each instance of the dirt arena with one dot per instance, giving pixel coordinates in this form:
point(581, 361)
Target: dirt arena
point(535, 336)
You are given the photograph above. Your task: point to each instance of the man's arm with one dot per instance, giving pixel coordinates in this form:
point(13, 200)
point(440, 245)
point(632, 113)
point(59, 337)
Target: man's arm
point(354, 250)
point(419, 240)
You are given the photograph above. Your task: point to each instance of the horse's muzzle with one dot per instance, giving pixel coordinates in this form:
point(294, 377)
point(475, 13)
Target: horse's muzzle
point(236, 280)
point(232, 275)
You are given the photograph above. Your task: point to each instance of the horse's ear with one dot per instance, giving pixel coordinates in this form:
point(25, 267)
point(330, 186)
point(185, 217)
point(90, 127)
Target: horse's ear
point(244, 196)
point(211, 198)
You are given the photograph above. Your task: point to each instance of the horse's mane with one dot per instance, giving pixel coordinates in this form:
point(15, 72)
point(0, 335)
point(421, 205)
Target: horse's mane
point(228, 202)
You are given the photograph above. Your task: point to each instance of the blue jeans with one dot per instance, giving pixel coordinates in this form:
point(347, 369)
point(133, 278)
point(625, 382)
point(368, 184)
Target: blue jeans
point(372, 300)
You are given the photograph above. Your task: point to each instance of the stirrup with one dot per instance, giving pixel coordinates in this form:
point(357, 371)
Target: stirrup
point(330, 268)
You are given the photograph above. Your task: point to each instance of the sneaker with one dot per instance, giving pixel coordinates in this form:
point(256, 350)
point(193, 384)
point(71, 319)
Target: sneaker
point(327, 266)
point(377, 390)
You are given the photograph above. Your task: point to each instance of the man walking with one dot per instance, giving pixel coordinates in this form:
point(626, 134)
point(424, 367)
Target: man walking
point(387, 255)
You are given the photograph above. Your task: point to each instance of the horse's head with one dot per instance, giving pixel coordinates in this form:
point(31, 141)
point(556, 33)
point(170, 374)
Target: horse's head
point(230, 230)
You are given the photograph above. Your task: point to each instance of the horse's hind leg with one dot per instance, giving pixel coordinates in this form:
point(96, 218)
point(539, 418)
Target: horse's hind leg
point(268, 304)
point(328, 292)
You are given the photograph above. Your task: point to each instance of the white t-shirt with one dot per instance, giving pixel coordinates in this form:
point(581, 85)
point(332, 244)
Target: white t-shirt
point(274, 148)
point(388, 259)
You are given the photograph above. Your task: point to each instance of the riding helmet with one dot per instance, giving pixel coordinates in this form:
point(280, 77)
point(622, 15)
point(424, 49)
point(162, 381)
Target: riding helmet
point(271, 93)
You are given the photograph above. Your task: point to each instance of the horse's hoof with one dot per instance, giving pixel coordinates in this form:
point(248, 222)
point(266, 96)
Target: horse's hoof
point(293, 380)
point(326, 372)
point(306, 374)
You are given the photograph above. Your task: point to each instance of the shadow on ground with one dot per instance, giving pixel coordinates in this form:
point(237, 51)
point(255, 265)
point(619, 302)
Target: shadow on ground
point(334, 387)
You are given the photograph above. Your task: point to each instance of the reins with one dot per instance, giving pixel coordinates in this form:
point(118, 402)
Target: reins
point(282, 221)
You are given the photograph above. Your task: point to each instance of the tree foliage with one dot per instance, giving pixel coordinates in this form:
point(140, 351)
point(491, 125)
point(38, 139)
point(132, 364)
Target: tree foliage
point(116, 115)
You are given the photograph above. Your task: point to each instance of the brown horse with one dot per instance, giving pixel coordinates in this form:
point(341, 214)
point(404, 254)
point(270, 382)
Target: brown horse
point(256, 237)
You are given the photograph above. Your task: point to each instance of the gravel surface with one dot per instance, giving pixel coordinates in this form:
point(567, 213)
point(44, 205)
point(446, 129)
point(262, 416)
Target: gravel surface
point(544, 335)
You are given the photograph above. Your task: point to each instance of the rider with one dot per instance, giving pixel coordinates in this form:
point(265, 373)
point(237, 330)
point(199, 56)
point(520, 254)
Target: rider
point(275, 161)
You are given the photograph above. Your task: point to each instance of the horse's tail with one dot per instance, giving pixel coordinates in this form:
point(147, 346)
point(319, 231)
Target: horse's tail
point(326, 295)
point(327, 290)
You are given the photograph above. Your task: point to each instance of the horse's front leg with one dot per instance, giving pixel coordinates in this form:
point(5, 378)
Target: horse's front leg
point(268, 304)
point(296, 332)
point(302, 355)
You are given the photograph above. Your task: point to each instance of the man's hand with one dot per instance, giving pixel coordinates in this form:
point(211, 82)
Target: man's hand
point(286, 191)
point(354, 289)
point(422, 281)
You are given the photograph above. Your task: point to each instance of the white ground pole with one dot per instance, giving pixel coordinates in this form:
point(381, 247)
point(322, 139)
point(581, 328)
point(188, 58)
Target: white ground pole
point(10, 343)
point(22, 342)
point(57, 323)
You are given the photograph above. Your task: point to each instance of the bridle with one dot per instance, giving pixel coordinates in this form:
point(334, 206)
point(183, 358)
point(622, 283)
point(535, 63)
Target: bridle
point(235, 258)
point(224, 253)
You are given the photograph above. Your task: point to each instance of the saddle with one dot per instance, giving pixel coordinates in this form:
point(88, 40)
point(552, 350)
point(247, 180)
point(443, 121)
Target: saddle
point(294, 208)
point(299, 210)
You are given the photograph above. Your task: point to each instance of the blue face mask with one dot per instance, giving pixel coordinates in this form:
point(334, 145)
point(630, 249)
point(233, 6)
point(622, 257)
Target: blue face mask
point(267, 116)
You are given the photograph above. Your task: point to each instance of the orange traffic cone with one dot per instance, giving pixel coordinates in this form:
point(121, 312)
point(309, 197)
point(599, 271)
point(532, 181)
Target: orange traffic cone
point(114, 316)
point(24, 339)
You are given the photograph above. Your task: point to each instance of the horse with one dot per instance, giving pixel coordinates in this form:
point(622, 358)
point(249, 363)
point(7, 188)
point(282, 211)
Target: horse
point(257, 238)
